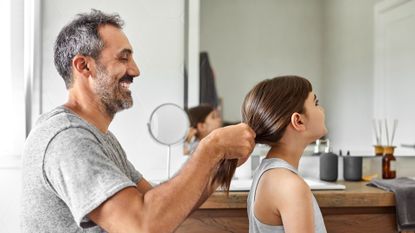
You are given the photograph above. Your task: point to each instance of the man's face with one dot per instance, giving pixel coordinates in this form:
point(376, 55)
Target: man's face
point(115, 70)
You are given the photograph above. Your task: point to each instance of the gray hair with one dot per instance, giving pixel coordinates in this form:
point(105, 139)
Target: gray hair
point(81, 37)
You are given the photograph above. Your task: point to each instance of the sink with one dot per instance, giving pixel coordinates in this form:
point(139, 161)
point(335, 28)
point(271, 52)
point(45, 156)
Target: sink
point(315, 184)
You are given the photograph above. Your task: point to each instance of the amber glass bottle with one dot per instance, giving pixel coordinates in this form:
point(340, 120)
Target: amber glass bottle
point(388, 163)
point(378, 150)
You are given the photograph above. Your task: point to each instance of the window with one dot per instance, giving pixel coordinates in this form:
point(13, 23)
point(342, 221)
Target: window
point(12, 115)
point(16, 64)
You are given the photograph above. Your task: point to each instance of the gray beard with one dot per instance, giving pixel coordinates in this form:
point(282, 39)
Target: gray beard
point(111, 97)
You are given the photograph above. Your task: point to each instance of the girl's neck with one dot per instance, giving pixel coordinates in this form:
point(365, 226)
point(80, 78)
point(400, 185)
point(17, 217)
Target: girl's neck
point(288, 152)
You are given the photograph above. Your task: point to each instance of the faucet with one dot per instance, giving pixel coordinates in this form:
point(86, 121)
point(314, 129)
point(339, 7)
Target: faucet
point(319, 142)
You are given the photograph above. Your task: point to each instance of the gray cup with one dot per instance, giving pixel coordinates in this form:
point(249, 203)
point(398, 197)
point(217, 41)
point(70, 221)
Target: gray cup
point(352, 168)
point(328, 166)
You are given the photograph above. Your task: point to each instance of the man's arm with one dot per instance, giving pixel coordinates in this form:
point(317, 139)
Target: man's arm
point(143, 186)
point(164, 207)
point(210, 188)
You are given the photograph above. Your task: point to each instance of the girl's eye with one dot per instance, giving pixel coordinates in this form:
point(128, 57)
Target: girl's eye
point(316, 102)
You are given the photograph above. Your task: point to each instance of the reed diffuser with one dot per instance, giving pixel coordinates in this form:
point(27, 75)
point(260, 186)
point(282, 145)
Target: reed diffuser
point(377, 128)
point(388, 159)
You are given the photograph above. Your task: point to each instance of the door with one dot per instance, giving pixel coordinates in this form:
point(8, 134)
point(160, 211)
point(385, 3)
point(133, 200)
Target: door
point(395, 69)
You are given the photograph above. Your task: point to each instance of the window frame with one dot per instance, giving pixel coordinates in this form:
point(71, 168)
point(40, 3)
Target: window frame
point(31, 59)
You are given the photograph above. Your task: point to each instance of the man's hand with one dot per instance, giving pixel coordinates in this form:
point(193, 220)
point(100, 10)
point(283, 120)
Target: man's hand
point(231, 142)
point(143, 209)
point(191, 133)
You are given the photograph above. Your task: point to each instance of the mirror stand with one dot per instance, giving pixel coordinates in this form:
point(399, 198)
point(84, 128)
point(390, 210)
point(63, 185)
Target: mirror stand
point(168, 125)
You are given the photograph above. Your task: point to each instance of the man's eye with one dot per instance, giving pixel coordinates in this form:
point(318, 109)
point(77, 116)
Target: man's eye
point(123, 59)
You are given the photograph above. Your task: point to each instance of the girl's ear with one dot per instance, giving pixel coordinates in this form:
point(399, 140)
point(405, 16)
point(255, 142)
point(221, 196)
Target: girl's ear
point(298, 121)
point(200, 127)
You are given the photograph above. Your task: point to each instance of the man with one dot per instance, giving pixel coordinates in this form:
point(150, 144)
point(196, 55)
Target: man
point(76, 177)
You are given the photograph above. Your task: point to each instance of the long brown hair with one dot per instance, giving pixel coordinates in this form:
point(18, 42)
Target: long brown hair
point(224, 174)
point(268, 107)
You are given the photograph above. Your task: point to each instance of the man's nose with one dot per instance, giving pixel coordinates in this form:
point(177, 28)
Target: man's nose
point(133, 69)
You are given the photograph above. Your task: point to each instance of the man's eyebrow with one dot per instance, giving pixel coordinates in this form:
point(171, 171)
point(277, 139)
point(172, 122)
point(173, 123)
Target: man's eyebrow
point(125, 52)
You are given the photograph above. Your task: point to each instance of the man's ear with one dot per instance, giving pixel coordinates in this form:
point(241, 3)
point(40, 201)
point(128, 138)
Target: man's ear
point(81, 66)
point(298, 121)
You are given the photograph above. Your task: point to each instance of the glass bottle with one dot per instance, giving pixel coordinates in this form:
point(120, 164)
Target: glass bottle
point(378, 150)
point(388, 163)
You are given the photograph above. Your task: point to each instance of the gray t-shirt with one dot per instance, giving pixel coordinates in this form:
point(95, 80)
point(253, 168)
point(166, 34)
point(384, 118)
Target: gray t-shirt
point(69, 169)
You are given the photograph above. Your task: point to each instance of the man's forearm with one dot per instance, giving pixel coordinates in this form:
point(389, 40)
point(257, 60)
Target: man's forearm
point(207, 192)
point(171, 202)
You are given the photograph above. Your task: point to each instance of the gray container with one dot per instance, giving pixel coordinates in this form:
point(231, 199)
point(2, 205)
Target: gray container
point(352, 168)
point(328, 166)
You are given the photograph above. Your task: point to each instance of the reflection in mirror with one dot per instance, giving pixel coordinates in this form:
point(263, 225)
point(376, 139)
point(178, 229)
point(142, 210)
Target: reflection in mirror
point(333, 43)
point(168, 125)
point(203, 120)
point(250, 41)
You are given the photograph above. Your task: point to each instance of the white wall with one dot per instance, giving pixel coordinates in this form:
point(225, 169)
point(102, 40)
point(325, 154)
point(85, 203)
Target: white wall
point(193, 51)
point(249, 41)
point(12, 126)
point(10, 183)
point(348, 73)
point(11, 89)
point(155, 30)
point(394, 69)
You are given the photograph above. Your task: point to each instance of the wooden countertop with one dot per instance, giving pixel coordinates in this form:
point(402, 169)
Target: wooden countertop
point(356, 194)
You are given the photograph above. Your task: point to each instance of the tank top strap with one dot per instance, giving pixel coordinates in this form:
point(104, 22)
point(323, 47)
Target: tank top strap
point(266, 165)
point(277, 163)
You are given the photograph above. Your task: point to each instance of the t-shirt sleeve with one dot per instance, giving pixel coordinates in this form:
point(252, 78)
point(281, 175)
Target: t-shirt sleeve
point(136, 175)
point(77, 169)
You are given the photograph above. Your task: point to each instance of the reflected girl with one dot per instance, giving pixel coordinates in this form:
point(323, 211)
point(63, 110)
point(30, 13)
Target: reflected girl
point(203, 120)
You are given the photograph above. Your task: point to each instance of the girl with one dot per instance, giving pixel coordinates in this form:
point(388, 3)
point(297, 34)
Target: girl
point(203, 120)
point(284, 113)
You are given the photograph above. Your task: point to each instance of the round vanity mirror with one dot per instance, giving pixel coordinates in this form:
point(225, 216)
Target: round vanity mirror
point(168, 125)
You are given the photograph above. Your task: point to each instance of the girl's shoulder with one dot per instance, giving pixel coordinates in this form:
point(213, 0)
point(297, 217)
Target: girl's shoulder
point(280, 191)
point(279, 185)
point(283, 179)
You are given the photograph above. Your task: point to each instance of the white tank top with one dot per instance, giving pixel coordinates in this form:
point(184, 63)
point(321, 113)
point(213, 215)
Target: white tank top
point(256, 226)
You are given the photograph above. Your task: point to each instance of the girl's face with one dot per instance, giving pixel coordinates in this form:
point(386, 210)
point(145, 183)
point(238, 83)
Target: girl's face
point(315, 118)
point(212, 122)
